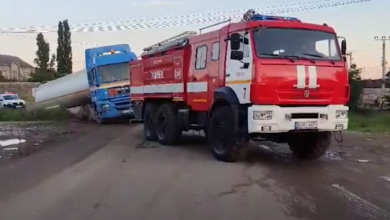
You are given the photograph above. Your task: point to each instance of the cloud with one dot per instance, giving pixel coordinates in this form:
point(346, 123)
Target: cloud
point(164, 3)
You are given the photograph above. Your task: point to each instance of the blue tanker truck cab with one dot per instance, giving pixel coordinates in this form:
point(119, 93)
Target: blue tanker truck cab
point(108, 76)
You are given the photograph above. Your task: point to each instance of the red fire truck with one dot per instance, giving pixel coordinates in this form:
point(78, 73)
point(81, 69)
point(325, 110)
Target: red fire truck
point(266, 77)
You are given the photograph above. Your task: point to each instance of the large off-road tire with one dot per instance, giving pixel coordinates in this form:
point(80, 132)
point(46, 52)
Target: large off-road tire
point(226, 145)
point(310, 146)
point(150, 132)
point(168, 129)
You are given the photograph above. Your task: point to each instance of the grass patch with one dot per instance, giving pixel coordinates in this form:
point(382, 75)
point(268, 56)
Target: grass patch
point(370, 121)
point(29, 99)
point(39, 115)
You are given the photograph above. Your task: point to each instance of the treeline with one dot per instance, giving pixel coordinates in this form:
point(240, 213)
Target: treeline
point(51, 66)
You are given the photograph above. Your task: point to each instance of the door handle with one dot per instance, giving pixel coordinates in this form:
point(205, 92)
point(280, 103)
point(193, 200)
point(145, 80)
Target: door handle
point(194, 78)
point(227, 75)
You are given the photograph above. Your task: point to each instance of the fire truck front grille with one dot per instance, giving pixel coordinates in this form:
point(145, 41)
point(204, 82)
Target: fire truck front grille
point(304, 115)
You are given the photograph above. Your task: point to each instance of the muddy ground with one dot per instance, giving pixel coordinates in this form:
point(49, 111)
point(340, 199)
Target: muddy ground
point(20, 140)
point(85, 171)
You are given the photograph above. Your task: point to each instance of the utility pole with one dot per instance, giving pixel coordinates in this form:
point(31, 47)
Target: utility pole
point(383, 39)
point(350, 59)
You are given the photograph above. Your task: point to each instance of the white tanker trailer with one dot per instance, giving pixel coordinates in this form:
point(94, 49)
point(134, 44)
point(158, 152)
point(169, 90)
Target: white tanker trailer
point(68, 91)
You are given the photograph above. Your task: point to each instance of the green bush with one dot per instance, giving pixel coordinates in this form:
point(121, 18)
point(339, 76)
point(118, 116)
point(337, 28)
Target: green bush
point(369, 121)
point(39, 115)
point(356, 87)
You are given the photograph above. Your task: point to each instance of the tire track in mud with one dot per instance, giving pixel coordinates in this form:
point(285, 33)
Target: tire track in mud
point(27, 172)
point(316, 182)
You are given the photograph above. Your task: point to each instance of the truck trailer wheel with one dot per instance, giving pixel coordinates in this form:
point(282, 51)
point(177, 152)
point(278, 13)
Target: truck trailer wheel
point(150, 131)
point(309, 146)
point(168, 129)
point(225, 144)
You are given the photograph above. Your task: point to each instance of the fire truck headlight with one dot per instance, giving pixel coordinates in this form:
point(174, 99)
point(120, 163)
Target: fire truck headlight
point(105, 106)
point(262, 115)
point(341, 114)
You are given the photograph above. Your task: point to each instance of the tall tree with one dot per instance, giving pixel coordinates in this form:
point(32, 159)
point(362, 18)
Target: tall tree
point(61, 67)
point(64, 49)
point(43, 70)
point(43, 53)
point(68, 47)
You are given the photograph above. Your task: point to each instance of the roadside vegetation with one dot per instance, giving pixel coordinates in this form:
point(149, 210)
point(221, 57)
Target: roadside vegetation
point(370, 121)
point(7, 115)
point(364, 120)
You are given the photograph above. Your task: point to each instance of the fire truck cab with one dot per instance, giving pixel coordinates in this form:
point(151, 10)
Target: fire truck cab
point(267, 77)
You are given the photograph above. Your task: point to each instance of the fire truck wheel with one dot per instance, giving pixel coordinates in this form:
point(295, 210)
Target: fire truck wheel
point(150, 132)
point(225, 144)
point(168, 130)
point(310, 146)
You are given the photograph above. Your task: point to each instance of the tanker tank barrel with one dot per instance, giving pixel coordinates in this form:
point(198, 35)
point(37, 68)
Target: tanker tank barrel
point(68, 91)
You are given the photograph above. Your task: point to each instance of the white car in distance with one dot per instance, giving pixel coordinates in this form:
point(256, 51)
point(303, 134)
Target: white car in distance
point(12, 101)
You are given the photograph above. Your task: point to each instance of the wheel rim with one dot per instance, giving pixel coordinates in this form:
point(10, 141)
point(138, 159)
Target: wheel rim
point(221, 138)
point(99, 118)
point(162, 125)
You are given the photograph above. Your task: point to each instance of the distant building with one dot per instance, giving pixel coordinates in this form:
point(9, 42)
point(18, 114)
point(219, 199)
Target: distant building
point(14, 68)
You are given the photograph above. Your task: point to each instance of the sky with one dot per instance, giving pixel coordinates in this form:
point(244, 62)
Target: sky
point(359, 23)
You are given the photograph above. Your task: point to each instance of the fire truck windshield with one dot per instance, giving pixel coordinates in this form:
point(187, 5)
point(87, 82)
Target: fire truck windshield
point(282, 43)
point(114, 72)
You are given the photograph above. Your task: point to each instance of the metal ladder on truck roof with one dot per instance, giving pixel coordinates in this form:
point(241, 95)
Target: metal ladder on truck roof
point(173, 42)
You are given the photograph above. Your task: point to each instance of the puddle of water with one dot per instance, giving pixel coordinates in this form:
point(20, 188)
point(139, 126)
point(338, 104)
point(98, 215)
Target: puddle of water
point(387, 178)
point(4, 143)
point(333, 155)
point(11, 148)
point(265, 147)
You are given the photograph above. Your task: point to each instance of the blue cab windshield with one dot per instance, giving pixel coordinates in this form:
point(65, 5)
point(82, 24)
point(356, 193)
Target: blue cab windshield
point(114, 72)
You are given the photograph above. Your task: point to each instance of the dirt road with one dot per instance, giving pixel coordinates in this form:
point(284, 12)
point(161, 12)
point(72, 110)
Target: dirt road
point(109, 172)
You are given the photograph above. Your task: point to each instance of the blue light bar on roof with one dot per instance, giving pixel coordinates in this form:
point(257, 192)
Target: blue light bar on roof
point(259, 17)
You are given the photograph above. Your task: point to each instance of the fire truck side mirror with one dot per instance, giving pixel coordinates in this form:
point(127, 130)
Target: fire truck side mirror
point(344, 47)
point(235, 41)
point(236, 55)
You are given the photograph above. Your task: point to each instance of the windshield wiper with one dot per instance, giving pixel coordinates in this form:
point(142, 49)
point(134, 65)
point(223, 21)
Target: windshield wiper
point(278, 55)
point(289, 57)
point(313, 55)
point(301, 57)
point(319, 56)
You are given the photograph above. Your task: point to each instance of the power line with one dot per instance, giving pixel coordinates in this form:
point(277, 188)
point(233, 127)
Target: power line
point(184, 15)
point(181, 22)
point(94, 44)
point(384, 62)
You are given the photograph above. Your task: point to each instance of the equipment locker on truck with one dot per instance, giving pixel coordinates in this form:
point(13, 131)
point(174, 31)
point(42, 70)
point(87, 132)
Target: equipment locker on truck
point(267, 77)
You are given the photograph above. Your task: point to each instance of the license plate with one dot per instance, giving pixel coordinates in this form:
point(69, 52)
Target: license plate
point(306, 125)
point(126, 111)
point(19, 106)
